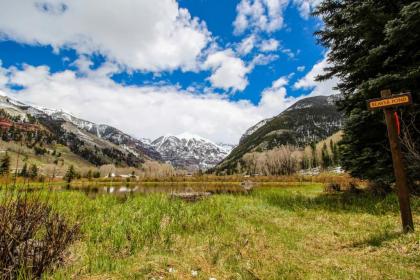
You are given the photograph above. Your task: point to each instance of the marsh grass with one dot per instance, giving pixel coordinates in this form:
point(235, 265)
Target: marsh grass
point(275, 233)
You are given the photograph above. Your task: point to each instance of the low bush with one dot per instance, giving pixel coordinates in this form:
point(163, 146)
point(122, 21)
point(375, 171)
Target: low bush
point(379, 188)
point(33, 237)
point(332, 187)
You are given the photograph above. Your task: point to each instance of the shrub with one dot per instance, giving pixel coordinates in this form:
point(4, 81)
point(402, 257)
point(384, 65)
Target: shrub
point(33, 172)
point(71, 174)
point(33, 237)
point(39, 151)
point(96, 174)
point(5, 164)
point(379, 188)
point(332, 187)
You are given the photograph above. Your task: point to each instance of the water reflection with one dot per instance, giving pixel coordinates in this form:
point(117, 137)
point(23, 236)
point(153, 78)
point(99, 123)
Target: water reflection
point(175, 188)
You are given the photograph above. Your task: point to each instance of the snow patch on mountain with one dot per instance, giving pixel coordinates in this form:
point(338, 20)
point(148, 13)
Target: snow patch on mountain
point(254, 128)
point(226, 147)
point(190, 151)
point(332, 99)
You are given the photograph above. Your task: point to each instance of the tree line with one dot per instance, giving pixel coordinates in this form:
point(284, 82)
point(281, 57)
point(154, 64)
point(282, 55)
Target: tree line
point(288, 159)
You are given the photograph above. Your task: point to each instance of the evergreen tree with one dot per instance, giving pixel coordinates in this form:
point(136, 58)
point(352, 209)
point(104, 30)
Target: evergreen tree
point(315, 162)
point(5, 136)
point(28, 137)
point(24, 172)
point(71, 174)
point(326, 158)
point(33, 172)
point(96, 174)
point(305, 164)
point(373, 45)
point(5, 164)
point(334, 153)
point(89, 174)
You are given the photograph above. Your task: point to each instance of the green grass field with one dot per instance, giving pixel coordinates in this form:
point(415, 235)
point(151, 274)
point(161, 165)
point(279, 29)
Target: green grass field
point(274, 233)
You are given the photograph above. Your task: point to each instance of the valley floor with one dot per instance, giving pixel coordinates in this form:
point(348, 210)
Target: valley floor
point(275, 233)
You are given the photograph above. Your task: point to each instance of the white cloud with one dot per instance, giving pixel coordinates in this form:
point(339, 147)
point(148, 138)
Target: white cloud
point(143, 111)
point(269, 45)
point(289, 53)
point(229, 71)
point(28, 78)
point(300, 68)
point(262, 59)
point(83, 64)
point(281, 82)
point(318, 88)
point(274, 99)
point(247, 45)
point(3, 76)
point(306, 7)
point(147, 35)
point(261, 15)
point(267, 15)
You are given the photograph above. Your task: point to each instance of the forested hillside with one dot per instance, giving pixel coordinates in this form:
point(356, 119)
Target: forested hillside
point(307, 121)
point(40, 130)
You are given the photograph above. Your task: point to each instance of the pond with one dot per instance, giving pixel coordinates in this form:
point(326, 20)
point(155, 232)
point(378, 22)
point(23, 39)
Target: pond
point(182, 190)
point(158, 188)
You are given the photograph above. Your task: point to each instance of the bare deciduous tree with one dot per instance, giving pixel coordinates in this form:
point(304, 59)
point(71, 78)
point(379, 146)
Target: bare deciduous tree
point(155, 169)
point(280, 161)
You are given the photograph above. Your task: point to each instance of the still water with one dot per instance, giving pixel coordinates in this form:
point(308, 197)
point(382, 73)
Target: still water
point(199, 188)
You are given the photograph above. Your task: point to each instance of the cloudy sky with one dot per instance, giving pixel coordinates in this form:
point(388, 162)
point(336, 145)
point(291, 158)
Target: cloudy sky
point(158, 67)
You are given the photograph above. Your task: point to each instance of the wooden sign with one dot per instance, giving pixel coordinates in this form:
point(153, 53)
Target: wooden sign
point(402, 99)
point(386, 103)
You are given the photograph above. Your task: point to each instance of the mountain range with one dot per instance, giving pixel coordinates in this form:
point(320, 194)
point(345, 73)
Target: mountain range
point(191, 151)
point(102, 144)
point(307, 121)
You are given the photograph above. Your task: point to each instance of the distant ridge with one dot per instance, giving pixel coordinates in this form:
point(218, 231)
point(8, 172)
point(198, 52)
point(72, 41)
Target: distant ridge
point(308, 120)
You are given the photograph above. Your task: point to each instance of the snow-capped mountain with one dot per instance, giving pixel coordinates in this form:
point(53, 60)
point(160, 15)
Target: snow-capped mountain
point(190, 151)
point(103, 131)
point(71, 129)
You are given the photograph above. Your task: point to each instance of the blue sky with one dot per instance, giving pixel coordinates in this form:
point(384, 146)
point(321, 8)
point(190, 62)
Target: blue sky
point(151, 68)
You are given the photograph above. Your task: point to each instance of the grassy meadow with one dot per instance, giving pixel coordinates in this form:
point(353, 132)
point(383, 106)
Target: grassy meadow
point(294, 232)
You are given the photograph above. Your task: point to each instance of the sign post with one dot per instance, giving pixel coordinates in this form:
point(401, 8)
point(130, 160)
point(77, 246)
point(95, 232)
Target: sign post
point(387, 102)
